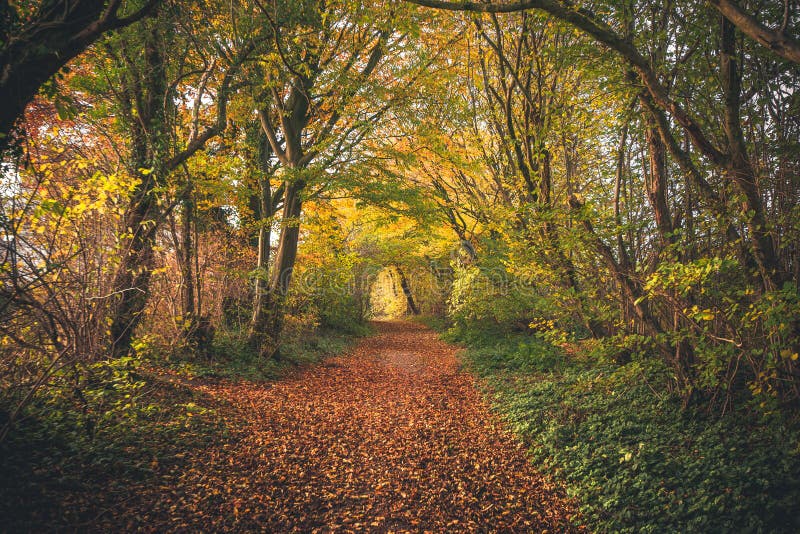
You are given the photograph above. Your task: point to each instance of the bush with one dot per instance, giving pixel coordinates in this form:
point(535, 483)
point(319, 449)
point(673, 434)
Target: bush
point(482, 299)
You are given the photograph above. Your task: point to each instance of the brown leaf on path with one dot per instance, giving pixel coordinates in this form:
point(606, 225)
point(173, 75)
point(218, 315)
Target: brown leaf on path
point(390, 437)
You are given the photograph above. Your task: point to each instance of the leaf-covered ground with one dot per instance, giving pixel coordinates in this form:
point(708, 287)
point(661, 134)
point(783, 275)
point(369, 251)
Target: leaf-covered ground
point(391, 436)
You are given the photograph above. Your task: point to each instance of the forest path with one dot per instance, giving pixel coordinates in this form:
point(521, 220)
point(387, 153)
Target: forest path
point(390, 436)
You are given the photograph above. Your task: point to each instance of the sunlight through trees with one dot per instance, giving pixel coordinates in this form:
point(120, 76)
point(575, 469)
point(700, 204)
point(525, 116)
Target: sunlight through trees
point(229, 182)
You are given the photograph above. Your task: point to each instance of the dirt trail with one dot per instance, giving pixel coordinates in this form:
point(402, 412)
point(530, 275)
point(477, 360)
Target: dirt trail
point(389, 437)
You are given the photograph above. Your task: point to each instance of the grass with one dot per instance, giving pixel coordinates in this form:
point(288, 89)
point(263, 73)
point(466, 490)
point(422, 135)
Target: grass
point(624, 448)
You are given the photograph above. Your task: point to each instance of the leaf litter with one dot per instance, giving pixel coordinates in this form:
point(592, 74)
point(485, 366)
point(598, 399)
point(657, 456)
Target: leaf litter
point(389, 437)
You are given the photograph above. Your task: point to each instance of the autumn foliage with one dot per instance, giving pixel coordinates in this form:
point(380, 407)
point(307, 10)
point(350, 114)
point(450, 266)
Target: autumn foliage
point(197, 190)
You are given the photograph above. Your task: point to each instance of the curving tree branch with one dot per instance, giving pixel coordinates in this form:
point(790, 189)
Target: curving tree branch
point(34, 50)
point(776, 40)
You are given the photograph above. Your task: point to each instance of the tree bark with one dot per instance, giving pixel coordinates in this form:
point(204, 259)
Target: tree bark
point(739, 166)
point(142, 219)
point(267, 341)
point(194, 328)
point(186, 257)
point(776, 40)
point(132, 281)
point(656, 181)
point(265, 210)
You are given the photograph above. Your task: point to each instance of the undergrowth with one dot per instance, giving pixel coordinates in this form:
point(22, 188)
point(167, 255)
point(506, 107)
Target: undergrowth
point(230, 357)
point(627, 451)
point(73, 454)
point(98, 431)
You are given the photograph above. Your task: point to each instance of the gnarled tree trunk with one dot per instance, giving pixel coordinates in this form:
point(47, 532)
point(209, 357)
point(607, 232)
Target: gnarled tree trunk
point(265, 335)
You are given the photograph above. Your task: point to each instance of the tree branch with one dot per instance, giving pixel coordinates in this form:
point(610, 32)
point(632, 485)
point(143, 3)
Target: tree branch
point(585, 20)
point(776, 40)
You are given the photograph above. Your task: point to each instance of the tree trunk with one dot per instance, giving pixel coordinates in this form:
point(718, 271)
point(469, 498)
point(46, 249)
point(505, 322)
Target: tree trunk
point(264, 206)
point(706, 193)
point(290, 237)
point(740, 167)
point(186, 257)
point(261, 304)
point(144, 215)
point(412, 306)
point(132, 282)
point(656, 180)
point(266, 341)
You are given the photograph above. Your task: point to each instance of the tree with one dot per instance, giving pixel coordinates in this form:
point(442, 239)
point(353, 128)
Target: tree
point(692, 170)
point(149, 82)
point(733, 162)
point(313, 111)
point(40, 37)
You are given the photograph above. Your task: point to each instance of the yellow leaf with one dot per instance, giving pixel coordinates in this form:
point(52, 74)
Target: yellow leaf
point(706, 315)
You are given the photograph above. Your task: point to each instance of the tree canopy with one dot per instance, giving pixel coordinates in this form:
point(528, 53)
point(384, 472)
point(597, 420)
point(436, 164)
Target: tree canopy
point(621, 178)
